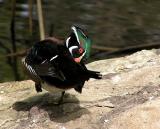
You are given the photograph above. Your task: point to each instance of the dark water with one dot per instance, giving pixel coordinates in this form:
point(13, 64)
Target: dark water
point(110, 23)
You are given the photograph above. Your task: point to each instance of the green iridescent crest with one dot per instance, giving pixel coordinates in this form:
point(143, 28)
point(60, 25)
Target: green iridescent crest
point(85, 42)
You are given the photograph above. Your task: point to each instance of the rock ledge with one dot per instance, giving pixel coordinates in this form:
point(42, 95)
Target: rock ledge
point(128, 97)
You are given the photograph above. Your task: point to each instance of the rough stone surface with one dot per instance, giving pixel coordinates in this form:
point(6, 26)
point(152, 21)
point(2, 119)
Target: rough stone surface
point(128, 97)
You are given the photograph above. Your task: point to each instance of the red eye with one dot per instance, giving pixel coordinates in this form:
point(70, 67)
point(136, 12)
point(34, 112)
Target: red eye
point(80, 50)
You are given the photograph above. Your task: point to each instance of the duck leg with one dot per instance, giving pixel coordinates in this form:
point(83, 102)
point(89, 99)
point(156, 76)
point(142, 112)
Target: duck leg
point(61, 98)
point(38, 87)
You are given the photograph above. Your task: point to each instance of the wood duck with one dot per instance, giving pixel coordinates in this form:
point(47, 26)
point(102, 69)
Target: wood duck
point(56, 65)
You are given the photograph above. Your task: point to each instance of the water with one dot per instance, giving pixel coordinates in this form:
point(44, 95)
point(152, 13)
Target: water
point(110, 23)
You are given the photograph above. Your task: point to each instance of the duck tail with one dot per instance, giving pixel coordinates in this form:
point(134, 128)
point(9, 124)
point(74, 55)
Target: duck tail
point(94, 74)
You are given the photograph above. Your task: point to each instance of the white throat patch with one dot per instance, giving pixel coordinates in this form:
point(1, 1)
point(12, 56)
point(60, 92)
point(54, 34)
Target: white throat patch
point(71, 48)
point(75, 32)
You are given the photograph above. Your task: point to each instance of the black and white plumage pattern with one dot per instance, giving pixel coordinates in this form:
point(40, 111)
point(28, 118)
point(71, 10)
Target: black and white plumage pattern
point(51, 66)
point(29, 68)
point(73, 45)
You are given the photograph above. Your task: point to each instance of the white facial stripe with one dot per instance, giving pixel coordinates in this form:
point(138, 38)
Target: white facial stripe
point(75, 31)
point(80, 58)
point(84, 53)
point(67, 41)
point(83, 33)
point(53, 57)
point(71, 48)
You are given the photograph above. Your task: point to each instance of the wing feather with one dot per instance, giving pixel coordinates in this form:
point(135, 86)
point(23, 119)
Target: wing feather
point(42, 60)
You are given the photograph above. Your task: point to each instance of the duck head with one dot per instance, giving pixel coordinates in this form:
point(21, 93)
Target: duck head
point(78, 44)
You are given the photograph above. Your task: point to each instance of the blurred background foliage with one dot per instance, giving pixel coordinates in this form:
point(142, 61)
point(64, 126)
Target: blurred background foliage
point(111, 24)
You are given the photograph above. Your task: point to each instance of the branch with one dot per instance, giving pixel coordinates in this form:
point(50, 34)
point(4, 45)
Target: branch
point(40, 18)
point(126, 50)
point(17, 54)
point(103, 48)
point(30, 16)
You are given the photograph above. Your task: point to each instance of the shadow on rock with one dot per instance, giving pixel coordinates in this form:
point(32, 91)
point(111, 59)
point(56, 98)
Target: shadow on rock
point(43, 106)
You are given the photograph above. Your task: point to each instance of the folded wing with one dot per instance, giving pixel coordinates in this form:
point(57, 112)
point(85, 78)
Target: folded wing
point(42, 59)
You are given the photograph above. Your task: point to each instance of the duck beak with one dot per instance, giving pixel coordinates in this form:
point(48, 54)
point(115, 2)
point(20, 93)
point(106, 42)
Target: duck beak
point(78, 60)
